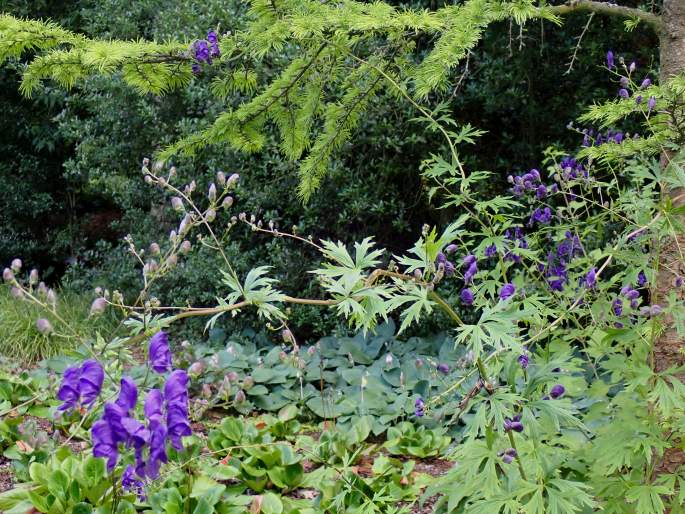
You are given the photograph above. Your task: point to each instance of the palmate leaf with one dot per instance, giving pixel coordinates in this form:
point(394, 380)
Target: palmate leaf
point(257, 290)
point(426, 249)
point(648, 498)
point(566, 496)
point(419, 302)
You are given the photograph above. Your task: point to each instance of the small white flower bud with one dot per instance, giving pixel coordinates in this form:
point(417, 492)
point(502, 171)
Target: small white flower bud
point(210, 215)
point(172, 260)
point(99, 291)
point(192, 186)
point(212, 193)
point(206, 390)
point(16, 265)
point(98, 306)
point(197, 368)
point(388, 359)
point(221, 178)
point(172, 236)
point(228, 201)
point(186, 247)
point(239, 397)
point(7, 275)
point(177, 204)
point(43, 326)
point(232, 180)
point(162, 182)
point(146, 162)
point(17, 293)
point(51, 297)
point(158, 166)
point(148, 179)
point(154, 249)
point(33, 277)
point(42, 289)
point(287, 335)
point(185, 225)
point(172, 172)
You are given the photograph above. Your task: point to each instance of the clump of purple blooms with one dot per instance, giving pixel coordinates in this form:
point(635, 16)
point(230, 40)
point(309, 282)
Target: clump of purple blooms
point(518, 240)
point(204, 50)
point(530, 182)
point(513, 424)
point(556, 269)
point(165, 412)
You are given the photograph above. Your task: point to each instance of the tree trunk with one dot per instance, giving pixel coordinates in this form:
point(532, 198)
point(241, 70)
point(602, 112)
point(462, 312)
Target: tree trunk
point(669, 346)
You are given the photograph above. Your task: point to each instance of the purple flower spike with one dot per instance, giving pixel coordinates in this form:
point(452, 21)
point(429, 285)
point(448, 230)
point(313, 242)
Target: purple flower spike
point(159, 353)
point(466, 296)
point(651, 103)
point(158, 454)
point(443, 368)
point(513, 424)
point(646, 83)
point(610, 59)
point(524, 360)
point(507, 291)
point(450, 249)
point(623, 93)
point(491, 251)
point(617, 306)
point(557, 391)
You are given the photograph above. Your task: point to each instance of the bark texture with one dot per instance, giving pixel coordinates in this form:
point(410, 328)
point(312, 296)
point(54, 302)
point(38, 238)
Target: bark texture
point(668, 350)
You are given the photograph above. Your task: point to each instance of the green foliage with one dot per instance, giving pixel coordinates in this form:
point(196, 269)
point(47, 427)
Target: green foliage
point(22, 340)
point(407, 439)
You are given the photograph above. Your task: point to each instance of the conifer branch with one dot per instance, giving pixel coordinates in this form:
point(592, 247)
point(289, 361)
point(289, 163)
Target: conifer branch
point(609, 9)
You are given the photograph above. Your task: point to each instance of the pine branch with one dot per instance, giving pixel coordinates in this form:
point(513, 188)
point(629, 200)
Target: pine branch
point(609, 9)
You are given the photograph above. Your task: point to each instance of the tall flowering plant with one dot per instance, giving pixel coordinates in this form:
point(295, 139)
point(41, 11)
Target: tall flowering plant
point(119, 430)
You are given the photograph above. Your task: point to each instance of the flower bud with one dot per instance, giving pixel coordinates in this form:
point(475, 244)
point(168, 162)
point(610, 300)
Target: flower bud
point(232, 180)
point(172, 236)
point(99, 291)
point(7, 275)
point(207, 390)
point(172, 172)
point(282, 356)
point(43, 326)
point(221, 178)
point(17, 293)
point(185, 225)
point(42, 289)
point(287, 336)
point(177, 204)
point(196, 368)
point(248, 382)
point(232, 376)
point(210, 215)
point(228, 201)
point(172, 260)
point(186, 247)
point(146, 162)
point(212, 193)
point(33, 277)
point(239, 397)
point(51, 297)
point(154, 249)
point(388, 359)
point(148, 179)
point(16, 265)
point(98, 306)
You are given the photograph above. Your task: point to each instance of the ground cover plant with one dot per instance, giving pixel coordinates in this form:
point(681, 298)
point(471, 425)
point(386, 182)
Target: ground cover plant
point(554, 382)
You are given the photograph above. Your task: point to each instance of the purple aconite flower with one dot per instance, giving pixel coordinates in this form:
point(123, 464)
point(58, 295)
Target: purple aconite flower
point(81, 385)
point(466, 296)
point(509, 455)
point(617, 306)
point(624, 81)
point(610, 59)
point(159, 353)
point(557, 391)
point(542, 216)
point(591, 278)
point(128, 395)
point(450, 249)
point(90, 381)
point(623, 93)
point(646, 83)
point(104, 444)
point(176, 396)
point(641, 279)
point(201, 49)
point(651, 103)
point(419, 406)
point(513, 424)
point(443, 368)
point(69, 391)
point(129, 482)
point(523, 360)
point(491, 251)
point(507, 291)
